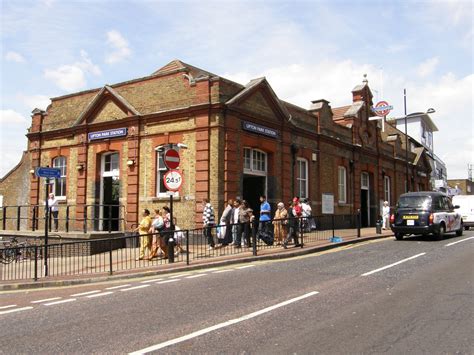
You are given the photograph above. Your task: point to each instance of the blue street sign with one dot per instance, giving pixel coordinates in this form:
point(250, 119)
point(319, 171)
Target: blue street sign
point(51, 173)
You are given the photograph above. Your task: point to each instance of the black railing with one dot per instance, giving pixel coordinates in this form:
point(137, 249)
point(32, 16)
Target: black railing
point(26, 260)
point(96, 217)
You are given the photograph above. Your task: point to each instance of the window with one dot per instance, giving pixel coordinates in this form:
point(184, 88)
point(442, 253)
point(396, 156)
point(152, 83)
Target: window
point(255, 162)
point(386, 188)
point(342, 178)
point(302, 177)
point(59, 186)
point(364, 184)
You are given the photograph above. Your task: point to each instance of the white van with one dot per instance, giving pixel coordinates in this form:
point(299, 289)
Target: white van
point(466, 209)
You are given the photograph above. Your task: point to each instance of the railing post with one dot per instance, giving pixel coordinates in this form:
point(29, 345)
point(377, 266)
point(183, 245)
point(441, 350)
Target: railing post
point(110, 218)
point(33, 219)
point(36, 263)
point(4, 218)
point(50, 218)
point(110, 257)
point(67, 218)
point(332, 222)
point(358, 223)
point(303, 221)
point(18, 216)
point(254, 238)
point(187, 246)
point(85, 219)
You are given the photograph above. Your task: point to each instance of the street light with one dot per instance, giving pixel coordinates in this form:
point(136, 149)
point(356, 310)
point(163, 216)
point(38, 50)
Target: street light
point(429, 111)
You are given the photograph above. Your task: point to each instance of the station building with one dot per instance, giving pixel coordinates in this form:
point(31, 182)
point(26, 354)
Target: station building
point(242, 141)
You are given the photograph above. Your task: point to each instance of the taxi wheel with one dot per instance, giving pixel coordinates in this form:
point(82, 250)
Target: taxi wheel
point(441, 232)
point(398, 236)
point(460, 230)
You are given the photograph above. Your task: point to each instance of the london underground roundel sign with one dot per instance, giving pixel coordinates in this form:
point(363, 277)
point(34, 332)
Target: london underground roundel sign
point(173, 180)
point(382, 108)
point(172, 159)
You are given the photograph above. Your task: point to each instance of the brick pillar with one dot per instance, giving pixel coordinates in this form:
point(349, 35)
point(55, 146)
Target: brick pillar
point(286, 167)
point(132, 181)
point(81, 192)
point(202, 163)
point(232, 168)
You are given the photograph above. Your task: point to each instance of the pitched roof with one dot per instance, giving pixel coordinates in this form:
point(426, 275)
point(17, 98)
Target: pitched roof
point(339, 112)
point(177, 65)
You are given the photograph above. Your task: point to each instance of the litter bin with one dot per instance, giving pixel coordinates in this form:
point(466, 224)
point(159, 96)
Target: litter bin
point(378, 227)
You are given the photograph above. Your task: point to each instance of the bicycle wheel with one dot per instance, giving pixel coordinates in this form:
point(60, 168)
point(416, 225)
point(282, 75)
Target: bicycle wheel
point(8, 255)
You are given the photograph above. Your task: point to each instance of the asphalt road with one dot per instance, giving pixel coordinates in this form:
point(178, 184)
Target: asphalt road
point(385, 296)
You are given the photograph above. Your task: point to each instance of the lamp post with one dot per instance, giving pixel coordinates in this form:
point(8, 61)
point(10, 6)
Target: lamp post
point(430, 110)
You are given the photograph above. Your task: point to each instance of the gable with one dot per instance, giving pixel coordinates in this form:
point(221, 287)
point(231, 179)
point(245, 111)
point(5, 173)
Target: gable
point(109, 111)
point(257, 103)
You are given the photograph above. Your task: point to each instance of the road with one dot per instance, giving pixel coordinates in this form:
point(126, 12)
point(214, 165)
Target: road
point(385, 296)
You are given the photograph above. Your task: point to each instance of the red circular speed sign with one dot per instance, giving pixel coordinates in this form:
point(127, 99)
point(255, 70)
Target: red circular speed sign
point(173, 180)
point(172, 159)
point(382, 108)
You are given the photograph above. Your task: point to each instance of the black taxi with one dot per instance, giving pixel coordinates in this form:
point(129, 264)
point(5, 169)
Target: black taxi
point(425, 213)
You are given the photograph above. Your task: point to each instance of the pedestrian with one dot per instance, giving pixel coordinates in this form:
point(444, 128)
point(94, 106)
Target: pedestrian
point(245, 217)
point(208, 220)
point(385, 215)
point(265, 214)
point(179, 238)
point(280, 222)
point(306, 214)
point(143, 229)
point(235, 221)
point(157, 241)
point(166, 232)
point(292, 224)
point(225, 224)
point(53, 205)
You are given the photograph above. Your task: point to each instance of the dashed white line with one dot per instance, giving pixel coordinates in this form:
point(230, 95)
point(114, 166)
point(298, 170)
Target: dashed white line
point(221, 271)
point(194, 276)
point(459, 241)
point(134, 288)
point(152, 280)
point(245, 266)
point(116, 287)
point(209, 270)
point(85, 293)
point(16, 310)
point(59, 302)
point(100, 294)
point(180, 275)
point(9, 306)
point(391, 265)
point(46, 300)
point(168, 281)
point(222, 325)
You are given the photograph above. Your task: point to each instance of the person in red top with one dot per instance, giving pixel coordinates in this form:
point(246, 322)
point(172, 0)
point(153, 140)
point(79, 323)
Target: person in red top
point(297, 209)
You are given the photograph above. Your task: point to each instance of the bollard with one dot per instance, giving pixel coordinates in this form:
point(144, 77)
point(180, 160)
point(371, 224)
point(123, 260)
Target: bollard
point(254, 237)
point(358, 223)
point(67, 218)
point(171, 244)
point(187, 247)
point(110, 257)
point(18, 218)
point(36, 263)
point(4, 222)
point(33, 219)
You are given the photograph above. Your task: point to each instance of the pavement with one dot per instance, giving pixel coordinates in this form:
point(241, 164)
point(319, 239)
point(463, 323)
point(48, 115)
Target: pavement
point(150, 269)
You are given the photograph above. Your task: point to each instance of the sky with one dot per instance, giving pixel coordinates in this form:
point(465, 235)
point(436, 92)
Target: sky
point(307, 50)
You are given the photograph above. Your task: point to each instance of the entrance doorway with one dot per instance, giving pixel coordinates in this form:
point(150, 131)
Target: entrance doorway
point(253, 188)
point(109, 209)
point(365, 200)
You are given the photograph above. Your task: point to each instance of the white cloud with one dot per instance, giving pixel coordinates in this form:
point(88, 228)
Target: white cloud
point(427, 67)
point(119, 47)
point(11, 117)
point(72, 77)
point(14, 57)
point(34, 101)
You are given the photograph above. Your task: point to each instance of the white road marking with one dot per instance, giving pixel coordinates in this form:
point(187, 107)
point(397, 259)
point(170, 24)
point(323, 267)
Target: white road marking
point(245, 266)
point(222, 325)
point(168, 281)
point(221, 271)
point(134, 288)
point(180, 275)
point(394, 264)
point(209, 270)
point(46, 300)
point(194, 276)
point(100, 294)
point(152, 280)
point(9, 306)
point(59, 302)
point(459, 241)
point(16, 310)
point(119, 286)
point(85, 293)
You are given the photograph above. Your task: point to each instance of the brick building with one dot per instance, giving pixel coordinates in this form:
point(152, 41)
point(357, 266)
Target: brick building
point(242, 141)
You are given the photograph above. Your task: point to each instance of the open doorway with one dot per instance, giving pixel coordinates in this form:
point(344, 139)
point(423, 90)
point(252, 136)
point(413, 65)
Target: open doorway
point(253, 187)
point(109, 208)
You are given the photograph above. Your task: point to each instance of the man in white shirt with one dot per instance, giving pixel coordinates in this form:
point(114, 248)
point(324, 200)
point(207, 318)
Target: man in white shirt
point(53, 204)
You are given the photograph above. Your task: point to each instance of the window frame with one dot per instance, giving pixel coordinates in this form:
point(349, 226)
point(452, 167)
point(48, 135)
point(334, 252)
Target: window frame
point(342, 185)
point(299, 179)
point(254, 160)
point(387, 189)
point(63, 178)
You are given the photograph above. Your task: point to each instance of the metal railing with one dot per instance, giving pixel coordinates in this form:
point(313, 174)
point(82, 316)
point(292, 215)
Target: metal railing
point(118, 254)
point(96, 217)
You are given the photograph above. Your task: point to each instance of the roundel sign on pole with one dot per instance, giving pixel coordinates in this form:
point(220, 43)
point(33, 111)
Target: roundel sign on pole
point(173, 180)
point(172, 159)
point(382, 108)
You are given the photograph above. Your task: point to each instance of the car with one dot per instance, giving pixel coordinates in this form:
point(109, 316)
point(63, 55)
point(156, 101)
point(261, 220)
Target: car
point(466, 209)
point(425, 213)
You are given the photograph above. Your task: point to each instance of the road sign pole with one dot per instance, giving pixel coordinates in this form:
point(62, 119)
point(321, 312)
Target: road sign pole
point(46, 220)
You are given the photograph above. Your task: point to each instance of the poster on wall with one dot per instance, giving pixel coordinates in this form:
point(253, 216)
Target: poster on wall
point(328, 203)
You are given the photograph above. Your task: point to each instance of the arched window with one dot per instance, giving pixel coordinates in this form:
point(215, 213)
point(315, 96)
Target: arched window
point(302, 177)
point(59, 186)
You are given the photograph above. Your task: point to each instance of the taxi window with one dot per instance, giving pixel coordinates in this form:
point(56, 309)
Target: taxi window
point(439, 204)
point(449, 205)
point(416, 202)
